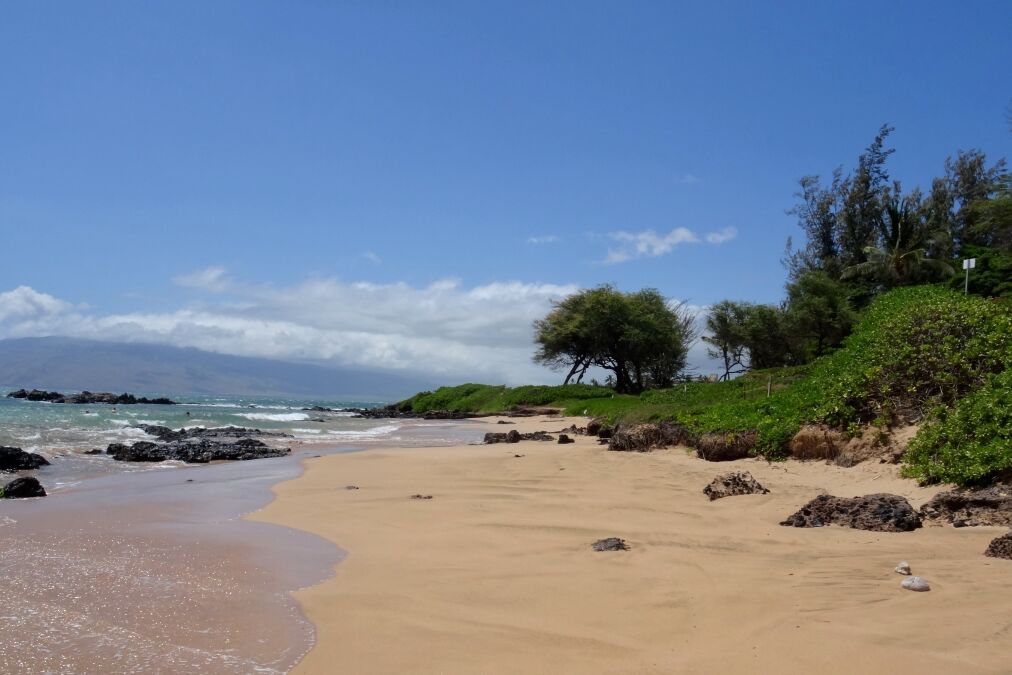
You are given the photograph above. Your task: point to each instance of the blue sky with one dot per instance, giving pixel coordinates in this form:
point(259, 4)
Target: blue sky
point(161, 160)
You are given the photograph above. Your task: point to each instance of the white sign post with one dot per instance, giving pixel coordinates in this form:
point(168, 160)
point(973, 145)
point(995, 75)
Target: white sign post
point(968, 265)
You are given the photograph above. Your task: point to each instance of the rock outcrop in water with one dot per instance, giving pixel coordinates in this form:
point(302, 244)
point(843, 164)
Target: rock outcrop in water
point(21, 488)
point(878, 512)
point(16, 459)
point(198, 445)
point(87, 397)
point(969, 508)
point(201, 433)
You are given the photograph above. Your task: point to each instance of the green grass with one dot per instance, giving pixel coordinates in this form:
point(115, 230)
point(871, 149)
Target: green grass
point(920, 353)
point(484, 398)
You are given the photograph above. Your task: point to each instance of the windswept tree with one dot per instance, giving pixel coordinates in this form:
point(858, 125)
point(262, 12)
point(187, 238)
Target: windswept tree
point(747, 336)
point(640, 337)
point(725, 333)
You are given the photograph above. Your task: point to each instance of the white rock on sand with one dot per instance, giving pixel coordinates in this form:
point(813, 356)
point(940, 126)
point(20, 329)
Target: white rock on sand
point(915, 584)
point(903, 568)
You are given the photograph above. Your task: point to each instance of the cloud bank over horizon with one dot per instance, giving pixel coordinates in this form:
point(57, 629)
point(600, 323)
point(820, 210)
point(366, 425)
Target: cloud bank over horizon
point(443, 329)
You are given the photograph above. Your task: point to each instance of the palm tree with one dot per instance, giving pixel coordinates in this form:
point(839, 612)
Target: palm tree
point(902, 256)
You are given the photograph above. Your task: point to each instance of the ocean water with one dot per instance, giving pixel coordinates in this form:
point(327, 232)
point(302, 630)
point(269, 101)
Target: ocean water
point(151, 568)
point(64, 432)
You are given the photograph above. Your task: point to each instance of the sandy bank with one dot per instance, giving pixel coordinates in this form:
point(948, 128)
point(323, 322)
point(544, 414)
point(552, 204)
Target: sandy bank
point(495, 574)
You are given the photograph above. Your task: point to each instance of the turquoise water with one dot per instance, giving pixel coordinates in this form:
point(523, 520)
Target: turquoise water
point(63, 432)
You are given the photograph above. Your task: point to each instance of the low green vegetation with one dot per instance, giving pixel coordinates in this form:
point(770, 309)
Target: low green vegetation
point(919, 354)
point(485, 398)
point(970, 443)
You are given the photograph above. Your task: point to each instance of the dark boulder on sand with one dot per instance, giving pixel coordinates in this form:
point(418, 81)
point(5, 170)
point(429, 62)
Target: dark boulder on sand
point(1000, 547)
point(970, 508)
point(511, 436)
point(732, 484)
point(646, 437)
point(610, 544)
point(564, 439)
point(21, 488)
point(725, 447)
point(877, 512)
point(514, 436)
point(16, 459)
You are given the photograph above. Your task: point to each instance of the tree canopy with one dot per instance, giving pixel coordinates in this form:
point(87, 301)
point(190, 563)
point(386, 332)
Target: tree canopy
point(640, 337)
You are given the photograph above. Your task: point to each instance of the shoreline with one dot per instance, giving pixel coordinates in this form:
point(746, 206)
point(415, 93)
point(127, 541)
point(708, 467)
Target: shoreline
point(159, 571)
point(157, 568)
point(495, 573)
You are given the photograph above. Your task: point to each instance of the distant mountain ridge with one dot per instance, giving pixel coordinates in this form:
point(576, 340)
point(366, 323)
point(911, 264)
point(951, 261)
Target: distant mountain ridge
point(74, 365)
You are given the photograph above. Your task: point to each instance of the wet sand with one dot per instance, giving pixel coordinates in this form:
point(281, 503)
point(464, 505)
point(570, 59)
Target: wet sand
point(131, 568)
point(146, 572)
point(495, 574)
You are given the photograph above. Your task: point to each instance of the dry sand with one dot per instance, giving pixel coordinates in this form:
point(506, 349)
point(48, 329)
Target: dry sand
point(495, 574)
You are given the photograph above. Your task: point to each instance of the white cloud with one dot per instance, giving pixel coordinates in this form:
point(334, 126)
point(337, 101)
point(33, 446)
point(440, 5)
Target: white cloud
point(686, 179)
point(372, 257)
point(719, 237)
point(25, 304)
point(484, 332)
point(647, 243)
point(650, 244)
point(208, 279)
point(544, 239)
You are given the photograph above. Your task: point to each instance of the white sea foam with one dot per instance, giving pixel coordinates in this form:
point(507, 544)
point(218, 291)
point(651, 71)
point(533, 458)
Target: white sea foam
point(296, 430)
point(276, 417)
point(365, 433)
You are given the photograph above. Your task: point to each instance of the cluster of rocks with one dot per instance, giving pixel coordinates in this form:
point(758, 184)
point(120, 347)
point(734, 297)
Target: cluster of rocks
point(732, 484)
point(514, 436)
point(713, 447)
point(197, 445)
point(16, 459)
point(86, 397)
point(877, 512)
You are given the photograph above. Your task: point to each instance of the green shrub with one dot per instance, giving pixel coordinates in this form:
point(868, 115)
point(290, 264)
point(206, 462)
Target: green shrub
point(970, 443)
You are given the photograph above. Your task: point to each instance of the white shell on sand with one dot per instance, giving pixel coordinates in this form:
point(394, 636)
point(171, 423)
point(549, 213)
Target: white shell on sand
point(915, 584)
point(903, 568)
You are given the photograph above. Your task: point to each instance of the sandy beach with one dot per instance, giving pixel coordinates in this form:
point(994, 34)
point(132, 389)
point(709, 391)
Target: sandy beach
point(495, 573)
